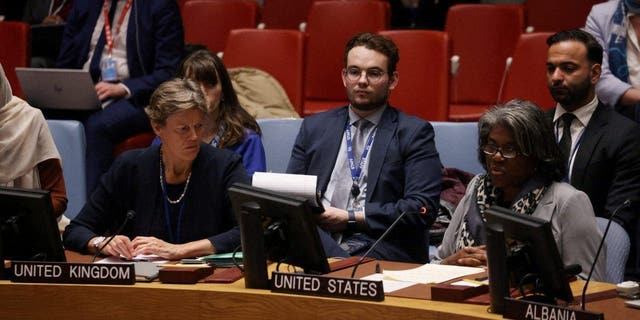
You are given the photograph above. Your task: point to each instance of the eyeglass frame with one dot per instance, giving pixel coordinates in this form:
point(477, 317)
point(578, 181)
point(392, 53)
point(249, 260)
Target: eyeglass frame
point(367, 74)
point(501, 150)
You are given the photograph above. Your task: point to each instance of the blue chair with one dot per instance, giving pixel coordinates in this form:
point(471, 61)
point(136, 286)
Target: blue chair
point(69, 138)
point(617, 246)
point(278, 138)
point(457, 143)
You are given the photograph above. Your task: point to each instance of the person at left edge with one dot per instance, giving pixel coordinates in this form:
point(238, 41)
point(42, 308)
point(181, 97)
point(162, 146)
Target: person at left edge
point(400, 171)
point(178, 189)
point(145, 53)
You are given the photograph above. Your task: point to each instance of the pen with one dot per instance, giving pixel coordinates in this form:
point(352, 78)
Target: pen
point(378, 268)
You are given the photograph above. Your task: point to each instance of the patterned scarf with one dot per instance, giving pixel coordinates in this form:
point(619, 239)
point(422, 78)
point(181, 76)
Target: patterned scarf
point(618, 40)
point(487, 195)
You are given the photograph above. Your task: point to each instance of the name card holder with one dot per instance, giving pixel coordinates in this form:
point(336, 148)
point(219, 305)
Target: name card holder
point(80, 273)
point(315, 285)
point(528, 310)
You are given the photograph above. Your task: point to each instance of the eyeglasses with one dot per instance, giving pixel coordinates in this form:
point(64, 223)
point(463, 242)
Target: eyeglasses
point(373, 75)
point(506, 152)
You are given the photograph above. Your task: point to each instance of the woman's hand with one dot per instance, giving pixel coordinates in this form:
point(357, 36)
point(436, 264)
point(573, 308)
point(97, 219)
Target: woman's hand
point(119, 246)
point(153, 245)
point(468, 256)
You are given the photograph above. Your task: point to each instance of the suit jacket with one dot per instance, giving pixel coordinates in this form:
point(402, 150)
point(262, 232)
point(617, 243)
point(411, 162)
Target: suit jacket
point(572, 223)
point(155, 41)
point(599, 24)
point(132, 183)
point(404, 174)
point(607, 168)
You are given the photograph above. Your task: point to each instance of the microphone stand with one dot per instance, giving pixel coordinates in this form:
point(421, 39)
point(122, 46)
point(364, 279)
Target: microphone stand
point(130, 215)
point(423, 210)
point(625, 204)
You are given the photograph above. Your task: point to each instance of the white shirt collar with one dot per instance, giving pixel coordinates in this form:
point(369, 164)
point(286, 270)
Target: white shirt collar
point(583, 114)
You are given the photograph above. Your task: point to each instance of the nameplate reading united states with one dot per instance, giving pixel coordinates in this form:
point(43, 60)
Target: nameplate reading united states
point(62, 272)
point(315, 285)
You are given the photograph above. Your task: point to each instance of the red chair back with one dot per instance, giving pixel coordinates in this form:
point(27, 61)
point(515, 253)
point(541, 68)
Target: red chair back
point(278, 52)
point(330, 25)
point(553, 15)
point(208, 22)
point(15, 51)
point(423, 88)
point(483, 36)
point(526, 78)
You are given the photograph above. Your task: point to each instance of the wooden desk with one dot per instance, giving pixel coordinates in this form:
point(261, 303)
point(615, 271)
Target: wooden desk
point(233, 301)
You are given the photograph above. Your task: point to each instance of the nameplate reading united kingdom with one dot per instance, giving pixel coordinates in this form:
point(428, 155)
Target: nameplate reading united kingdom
point(314, 285)
point(62, 272)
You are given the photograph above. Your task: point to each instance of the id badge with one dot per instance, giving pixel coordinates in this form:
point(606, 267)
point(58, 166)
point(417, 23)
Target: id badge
point(108, 69)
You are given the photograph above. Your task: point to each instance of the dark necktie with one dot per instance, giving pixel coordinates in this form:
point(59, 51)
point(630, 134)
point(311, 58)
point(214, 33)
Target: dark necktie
point(565, 141)
point(94, 67)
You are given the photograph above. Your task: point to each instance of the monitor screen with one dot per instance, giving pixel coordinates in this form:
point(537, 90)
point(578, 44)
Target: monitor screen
point(28, 228)
point(523, 247)
point(276, 227)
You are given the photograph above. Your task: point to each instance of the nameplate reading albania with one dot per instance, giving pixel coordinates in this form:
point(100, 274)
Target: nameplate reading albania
point(62, 272)
point(314, 285)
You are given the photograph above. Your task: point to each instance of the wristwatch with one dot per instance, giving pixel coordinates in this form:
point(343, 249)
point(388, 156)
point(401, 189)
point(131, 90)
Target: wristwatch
point(96, 243)
point(351, 223)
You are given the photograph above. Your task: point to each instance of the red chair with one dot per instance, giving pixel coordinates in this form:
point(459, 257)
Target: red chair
point(15, 51)
point(278, 52)
point(423, 72)
point(329, 27)
point(208, 22)
point(482, 36)
point(554, 15)
point(526, 78)
point(140, 140)
point(285, 14)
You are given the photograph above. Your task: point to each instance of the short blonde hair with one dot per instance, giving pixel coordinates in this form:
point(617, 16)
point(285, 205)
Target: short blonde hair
point(175, 96)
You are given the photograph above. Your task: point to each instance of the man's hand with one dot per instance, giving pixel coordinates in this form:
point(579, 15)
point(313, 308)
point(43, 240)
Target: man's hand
point(333, 219)
point(110, 90)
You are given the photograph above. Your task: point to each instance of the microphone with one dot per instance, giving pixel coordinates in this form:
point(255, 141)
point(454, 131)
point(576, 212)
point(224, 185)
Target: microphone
point(625, 204)
point(507, 65)
point(422, 211)
point(130, 215)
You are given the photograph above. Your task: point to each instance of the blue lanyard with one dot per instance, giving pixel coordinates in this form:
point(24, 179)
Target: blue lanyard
point(168, 216)
point(357, 170)
point(573, 152)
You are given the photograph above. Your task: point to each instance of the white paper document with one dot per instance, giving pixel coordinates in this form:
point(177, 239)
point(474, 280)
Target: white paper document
point(388, 285)
point(292, 184)
point(430, 273)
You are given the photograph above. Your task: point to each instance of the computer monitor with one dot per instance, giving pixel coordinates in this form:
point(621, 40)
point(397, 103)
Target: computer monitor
point(28, 227)
point(276, 227)
point(523, 247)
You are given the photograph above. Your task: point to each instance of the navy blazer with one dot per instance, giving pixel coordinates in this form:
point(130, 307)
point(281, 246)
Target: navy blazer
point(133, 183)
point(404, 175)
point(607, 168)
point(155, 43)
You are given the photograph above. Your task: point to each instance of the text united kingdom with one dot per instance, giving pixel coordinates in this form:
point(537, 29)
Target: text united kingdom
point(62, 272)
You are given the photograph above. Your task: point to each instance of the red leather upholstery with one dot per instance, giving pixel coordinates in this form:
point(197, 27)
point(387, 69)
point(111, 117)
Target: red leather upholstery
point(423, 89)
point(15, 51)
point(554, 15)
point(483, 36)
point(278, 52)
point(526, 78)
point(330, 25)
point(285, 14)
point(140, 140)
point(208, 22)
